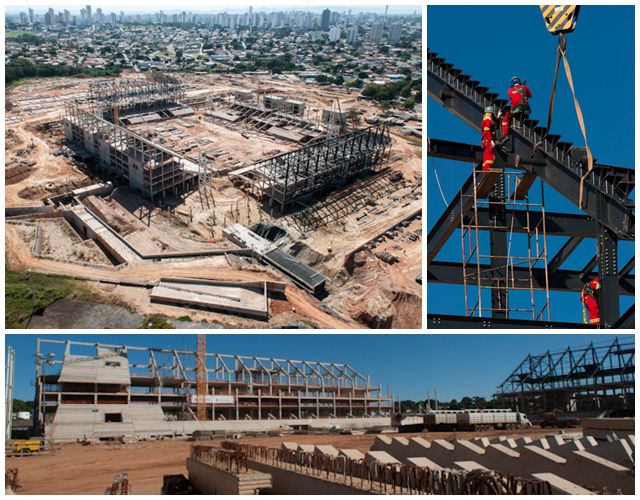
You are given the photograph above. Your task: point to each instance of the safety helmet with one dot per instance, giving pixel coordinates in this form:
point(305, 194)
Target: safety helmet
point(489, 109)
point(515, 80)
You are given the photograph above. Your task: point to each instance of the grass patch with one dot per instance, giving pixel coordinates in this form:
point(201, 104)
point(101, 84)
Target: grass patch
point(25, 296)
point(155, 322)
point(184, 318)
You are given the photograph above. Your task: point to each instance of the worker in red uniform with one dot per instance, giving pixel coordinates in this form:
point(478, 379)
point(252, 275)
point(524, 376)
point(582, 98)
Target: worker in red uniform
point(589, 298)
point(519, 95)
point(488, 138)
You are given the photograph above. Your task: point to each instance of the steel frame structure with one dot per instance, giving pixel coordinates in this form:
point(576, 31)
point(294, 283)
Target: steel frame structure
point(607, 207)
point(125, 154)
point(106, 96)
point(594, 377)
point(261, 387)
point(286, 177)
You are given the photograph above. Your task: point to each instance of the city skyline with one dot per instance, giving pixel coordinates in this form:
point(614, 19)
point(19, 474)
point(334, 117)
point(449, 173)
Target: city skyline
point(195, 7)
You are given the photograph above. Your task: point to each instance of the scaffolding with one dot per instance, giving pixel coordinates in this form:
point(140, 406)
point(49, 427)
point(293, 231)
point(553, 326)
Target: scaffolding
point(148, 168)
point(284, 178)
point(599, 376)
point(238, 387)
point(486, 266)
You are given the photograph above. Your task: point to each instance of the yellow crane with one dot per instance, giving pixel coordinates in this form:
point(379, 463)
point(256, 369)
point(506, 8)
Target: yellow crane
point(201, 377)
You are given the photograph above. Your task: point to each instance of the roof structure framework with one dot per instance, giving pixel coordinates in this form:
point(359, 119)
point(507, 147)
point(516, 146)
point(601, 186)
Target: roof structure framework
point(598, 376)
point(606, 209)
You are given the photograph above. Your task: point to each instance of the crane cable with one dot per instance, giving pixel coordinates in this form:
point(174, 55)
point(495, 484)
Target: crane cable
point(562, 53)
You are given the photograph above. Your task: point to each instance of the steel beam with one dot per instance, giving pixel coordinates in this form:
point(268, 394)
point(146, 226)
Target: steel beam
point(609, 297)
point(628, 267)
point(622, 178)
point(628, 318)
point(448, 321)
point(449, 221)
point(561, 280)
point(557, 224)
point(591, 265)
point(466, 99)
point(563, 254)
point(498, 246)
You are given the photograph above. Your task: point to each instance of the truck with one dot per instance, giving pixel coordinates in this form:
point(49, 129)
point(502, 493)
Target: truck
point(475, 420)
point(557, 419)
point(483, 420)
point(441, 420)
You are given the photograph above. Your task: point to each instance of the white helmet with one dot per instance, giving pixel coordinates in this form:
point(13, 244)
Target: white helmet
point(489, 109)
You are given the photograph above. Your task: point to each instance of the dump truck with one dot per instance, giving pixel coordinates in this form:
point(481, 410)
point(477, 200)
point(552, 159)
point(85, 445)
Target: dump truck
point(557, 419)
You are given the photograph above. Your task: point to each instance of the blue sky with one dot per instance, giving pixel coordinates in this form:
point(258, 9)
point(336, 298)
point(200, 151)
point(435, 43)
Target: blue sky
point(494, 43)
point(452, 365)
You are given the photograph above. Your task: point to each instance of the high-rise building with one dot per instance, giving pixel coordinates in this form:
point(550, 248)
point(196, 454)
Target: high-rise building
point(49, 17)
point(395, 32)
point(334, 34)
point(376, 32)
point(88, 16)
point(352, 35)
point(67, 17)
point(32, 16)
point(324, 19)
point(24, 19)
point(114, 21)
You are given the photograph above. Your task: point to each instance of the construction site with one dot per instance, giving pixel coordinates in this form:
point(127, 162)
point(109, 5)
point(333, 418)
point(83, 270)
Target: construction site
point(132, 419)
point(499, 239)
point(217, 197)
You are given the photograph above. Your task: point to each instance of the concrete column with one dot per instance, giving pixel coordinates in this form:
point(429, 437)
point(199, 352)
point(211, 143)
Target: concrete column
point(237, 406)
point(259, 404)
point(280, 404)
point(299, 408)
point(213, 404)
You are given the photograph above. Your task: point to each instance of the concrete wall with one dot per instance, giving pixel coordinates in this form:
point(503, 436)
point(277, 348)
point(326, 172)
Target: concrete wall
point(210, 480)
point(286, 482)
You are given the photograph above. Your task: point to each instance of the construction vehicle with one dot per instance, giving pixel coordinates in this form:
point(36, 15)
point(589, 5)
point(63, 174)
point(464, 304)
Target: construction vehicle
point(556, 419)
point(26, 446)
point(475, 420)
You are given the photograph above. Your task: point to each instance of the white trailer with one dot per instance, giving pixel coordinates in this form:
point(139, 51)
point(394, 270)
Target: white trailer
point(481, 420)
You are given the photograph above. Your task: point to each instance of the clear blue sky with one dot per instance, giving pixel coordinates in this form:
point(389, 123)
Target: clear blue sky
point(453, 365)
point(494, 43)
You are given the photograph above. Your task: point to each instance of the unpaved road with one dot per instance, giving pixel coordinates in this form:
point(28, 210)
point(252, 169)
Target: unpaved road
point(20, 259)
point(88, 470)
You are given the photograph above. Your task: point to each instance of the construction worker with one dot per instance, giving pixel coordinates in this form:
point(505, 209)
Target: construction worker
point(488, 138)
point(519, 95)
point(589, 298)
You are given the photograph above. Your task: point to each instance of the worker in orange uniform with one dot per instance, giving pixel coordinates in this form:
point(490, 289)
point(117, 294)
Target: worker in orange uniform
point(589, 298)
point(519, 95)
point(488, 138)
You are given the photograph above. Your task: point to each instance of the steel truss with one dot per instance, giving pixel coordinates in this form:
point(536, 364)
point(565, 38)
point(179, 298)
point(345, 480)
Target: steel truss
point(150, 168)
point(261, 387)
point(608, 209)
point(594, 377)
point(284, 178)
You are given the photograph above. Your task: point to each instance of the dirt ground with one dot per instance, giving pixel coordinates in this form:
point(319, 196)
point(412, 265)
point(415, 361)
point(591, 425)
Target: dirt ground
point(88, 470)
point(34, 134)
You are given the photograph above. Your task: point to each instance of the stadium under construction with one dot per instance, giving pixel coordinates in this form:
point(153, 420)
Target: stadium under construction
point(102, 391)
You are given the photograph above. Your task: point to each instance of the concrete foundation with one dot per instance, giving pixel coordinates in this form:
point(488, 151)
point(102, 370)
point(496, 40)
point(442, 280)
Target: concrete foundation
point(211, 480)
